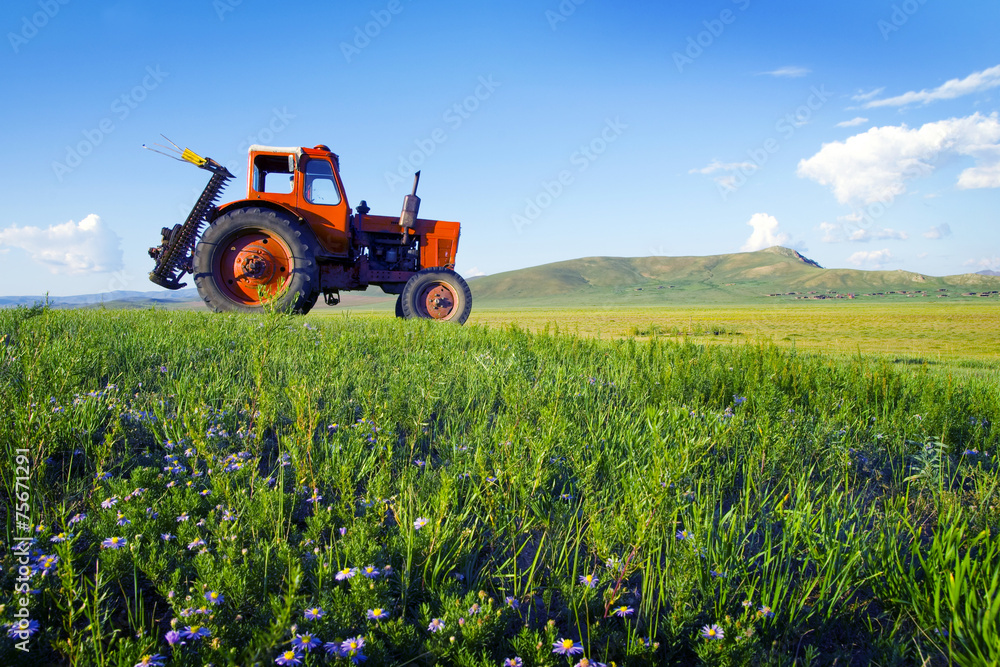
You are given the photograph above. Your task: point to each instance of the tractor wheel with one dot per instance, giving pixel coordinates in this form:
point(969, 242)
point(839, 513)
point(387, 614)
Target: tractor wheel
point(251, 257)
point(437, 294)
point(399, 306)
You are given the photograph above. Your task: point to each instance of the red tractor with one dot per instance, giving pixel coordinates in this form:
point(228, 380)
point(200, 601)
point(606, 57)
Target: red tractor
point(294, 236)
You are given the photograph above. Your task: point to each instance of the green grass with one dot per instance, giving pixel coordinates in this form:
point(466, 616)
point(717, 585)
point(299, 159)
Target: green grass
point(818, 509)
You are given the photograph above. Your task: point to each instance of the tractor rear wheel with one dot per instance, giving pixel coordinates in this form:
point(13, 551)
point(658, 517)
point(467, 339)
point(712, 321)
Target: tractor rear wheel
point(250, 257)
point(399, 306)
point(438, 294)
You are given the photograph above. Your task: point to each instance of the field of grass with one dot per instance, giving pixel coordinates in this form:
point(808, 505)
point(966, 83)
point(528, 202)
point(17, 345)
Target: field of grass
point(183, 488)
point(960, 334)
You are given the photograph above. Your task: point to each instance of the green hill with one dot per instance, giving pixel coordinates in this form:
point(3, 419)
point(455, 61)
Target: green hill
point(774, 273)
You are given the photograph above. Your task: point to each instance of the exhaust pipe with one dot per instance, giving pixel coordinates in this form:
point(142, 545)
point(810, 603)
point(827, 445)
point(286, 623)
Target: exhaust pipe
point(411, 206)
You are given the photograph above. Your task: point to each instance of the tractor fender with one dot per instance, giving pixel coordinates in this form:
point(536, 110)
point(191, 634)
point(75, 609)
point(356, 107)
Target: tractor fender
point(256, 203)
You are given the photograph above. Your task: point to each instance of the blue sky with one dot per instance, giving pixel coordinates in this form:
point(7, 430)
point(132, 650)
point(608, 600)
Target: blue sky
point(864, 134)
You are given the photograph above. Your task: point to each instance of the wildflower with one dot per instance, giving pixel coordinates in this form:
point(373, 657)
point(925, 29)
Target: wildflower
point(370, 571)
point(23, 629)
point(420, 523)
point(315, 497)
point(712, 632)
point(108, 503)
point(716, 574)
point(683, 535)
point(342, 530)
point(289, 658)
point(512, 602)
point(151, 661)
point(624, 611)
point(114, 543)
point(205, 492)
point(352, 644)
point(173, 637)
point(491, 479)
point(305, 641)
point(766, 612)
point(567, 647)
point(122, 521)
point(166, 537)
point(474, 609)
point(314, 613)
point(183, 517)
point(436, 625)
point(215, 597)
point(196, 632)
point(377, 614)
point(77, 518)
point(588, 580)
point(61, 537)
point(197, 543)
point(513, 662)
point(586, 662)
point(346, 573)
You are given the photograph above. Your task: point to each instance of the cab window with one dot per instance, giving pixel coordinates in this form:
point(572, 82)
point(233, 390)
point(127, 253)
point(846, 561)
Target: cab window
point(273, 174)
point(320, 186)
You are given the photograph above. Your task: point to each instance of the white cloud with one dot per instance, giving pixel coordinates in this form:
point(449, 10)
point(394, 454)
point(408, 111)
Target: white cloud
point(474, 272)
point(874, 259)
point(985, 263)
point(974, 83)
point(861, 97)
point(765, 233)
point(874, 166)
point(71, 248)
point(865, 235)
point(853, 122)
point(837, 232)
point(789, 72)
point(716, 165)
point(938, 232)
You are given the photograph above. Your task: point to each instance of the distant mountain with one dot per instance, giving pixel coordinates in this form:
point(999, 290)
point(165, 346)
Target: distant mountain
point(118, 297)
point(988, 273)
point(774, 272)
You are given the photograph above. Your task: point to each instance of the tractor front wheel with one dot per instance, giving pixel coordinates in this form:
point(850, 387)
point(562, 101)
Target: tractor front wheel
point(251, 257)
point(437, 294)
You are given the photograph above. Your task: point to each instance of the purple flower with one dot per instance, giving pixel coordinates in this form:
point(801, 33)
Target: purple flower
point(377, 614)
point(77, 518)
point(624, 611)
point(305, 641)
point(346, 573)
point(196, 632)
point(512, 602)
point(420, 523)
point(513, 662)
point(114, 543)
point(122, 521)
point(173, 637)
point(215, 597)
point(370, 571)
point(23, 629)
point(166, 537)
point(588, 580)
point(436, 625)
point(766, 612)
point(108, 503)
point(289, 658)
point(352, 644)
point(712, 632)
point(314, 613)
point(197, 543)
point(567, 647)
point(683, 535)
point(151, 661)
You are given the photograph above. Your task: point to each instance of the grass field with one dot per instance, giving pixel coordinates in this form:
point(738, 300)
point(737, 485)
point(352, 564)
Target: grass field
point(965, 333)
point(187, 488)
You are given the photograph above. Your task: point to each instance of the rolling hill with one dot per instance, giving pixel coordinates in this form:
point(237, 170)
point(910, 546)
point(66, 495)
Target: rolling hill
point(776, 272)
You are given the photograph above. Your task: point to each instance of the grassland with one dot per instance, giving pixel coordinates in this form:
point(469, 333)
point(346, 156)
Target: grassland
point(258, 490)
